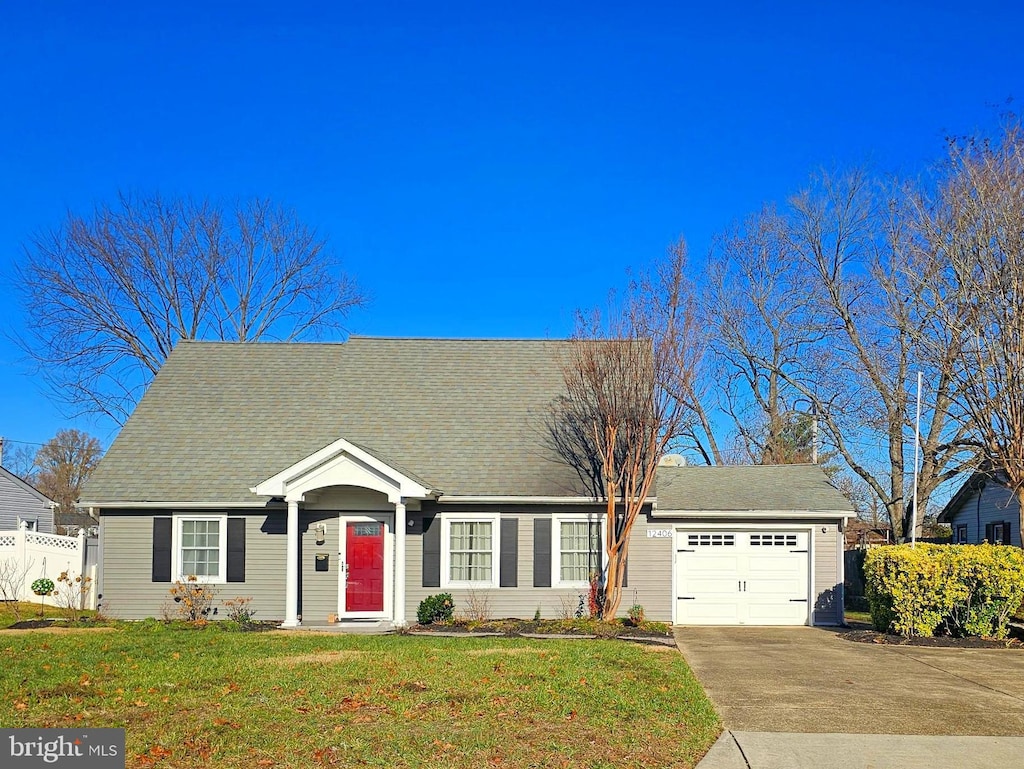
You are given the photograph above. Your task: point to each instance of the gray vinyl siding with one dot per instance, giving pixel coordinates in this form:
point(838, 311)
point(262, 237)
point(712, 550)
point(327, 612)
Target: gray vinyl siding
point(18, 503)
point(828, 582)
point(318, 590)
point(524, 600)
point(126, 565)
point(993, 504)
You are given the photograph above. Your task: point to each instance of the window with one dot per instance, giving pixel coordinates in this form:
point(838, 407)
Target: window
point(578, 552)
point(961, 535)
point(998, 534)
point(469, 551)
point(711, 540)
point(201, 548)
point(773, 540)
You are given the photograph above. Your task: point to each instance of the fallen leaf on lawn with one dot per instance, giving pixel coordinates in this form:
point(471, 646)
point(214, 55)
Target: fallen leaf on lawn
point(265, 762)
point(226, 722)
point(571, 716)
point(140, 704)
point(176, 655)
point(20, 705)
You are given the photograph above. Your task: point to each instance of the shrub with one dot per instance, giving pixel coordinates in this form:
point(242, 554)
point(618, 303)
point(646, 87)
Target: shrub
point(436, 608)
point(240, 611)
point(192, 599)
point(71, 593)
point(636, 615)
point(962, 589)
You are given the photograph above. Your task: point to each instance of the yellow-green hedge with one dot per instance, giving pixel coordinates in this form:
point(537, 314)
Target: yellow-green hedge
point(964, 590)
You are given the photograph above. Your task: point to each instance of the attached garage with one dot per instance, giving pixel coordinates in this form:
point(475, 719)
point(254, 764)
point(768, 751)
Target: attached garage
point(745, 545)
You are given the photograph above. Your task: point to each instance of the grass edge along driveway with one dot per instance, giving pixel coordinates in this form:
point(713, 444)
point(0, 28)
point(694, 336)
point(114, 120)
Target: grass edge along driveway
point(208, 697)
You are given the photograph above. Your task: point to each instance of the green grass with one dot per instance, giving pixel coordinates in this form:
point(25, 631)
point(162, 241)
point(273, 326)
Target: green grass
point(858, 616)
point(29, 610)
point(207, 697)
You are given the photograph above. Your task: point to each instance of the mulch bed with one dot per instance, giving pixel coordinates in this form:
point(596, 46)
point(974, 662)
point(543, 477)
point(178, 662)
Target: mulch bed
point(509, 627)
point(862, 634)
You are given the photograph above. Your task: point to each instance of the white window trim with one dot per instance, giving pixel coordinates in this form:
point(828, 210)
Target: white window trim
point(556, 547)
point(222, 575)
point(446, 546)
point(956, 534)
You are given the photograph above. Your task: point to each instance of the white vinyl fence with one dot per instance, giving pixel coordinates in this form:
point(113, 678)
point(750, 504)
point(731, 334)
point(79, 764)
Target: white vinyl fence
point(26, 555)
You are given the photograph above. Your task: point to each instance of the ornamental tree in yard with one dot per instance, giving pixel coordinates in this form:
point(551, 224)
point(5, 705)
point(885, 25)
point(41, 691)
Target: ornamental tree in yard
point(628, 376)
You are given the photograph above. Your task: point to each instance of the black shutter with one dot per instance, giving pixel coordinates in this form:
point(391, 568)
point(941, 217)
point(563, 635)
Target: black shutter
point(509, 576)
point(988, 533)
point(625, 572)
point(542, 552)
point(431, 551)
point(1006, 533)
point(236, 549)
point(161, 549)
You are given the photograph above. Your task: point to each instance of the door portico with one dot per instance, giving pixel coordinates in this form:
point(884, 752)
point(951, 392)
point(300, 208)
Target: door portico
point(343, 464)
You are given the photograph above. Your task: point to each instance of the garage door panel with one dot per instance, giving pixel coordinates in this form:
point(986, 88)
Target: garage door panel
point(708, 612)
point(759, 578)
point(777, 613)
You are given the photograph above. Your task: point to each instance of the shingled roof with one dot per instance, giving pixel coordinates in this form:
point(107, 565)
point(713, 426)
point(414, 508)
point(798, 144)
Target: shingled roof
point(460, 416)
point(748, 488)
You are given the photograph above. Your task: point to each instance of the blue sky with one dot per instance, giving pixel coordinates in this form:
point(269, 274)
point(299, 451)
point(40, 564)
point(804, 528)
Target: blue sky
point(483, 169)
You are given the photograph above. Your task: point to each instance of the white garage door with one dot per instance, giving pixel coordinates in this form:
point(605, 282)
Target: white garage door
point(742, 577)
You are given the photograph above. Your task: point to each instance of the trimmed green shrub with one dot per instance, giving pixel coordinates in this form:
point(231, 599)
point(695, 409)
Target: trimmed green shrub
point(436, 608)
point(964, 590)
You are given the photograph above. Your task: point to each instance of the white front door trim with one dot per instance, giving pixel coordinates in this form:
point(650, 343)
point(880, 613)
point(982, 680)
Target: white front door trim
point(388, 520)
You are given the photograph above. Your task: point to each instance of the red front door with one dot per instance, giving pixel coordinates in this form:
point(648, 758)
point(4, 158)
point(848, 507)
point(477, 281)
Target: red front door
point(364, 559)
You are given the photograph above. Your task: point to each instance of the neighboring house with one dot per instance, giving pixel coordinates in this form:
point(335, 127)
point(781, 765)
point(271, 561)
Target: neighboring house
point(356, 479)
point(983, 510)
point(20, 502)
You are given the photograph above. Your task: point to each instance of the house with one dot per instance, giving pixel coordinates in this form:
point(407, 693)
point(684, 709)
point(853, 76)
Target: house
point(983, 510)
point(21, 503)
point(355, 479)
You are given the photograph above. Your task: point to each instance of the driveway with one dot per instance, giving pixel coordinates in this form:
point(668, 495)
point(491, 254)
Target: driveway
point(801, 679)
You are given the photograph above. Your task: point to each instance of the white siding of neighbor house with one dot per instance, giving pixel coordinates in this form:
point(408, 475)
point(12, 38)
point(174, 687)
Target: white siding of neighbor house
point(17, 503)
point(993, 504)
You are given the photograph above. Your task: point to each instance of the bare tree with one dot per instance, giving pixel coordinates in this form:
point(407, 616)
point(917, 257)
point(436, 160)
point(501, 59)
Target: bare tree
point(107, 296)
point(765, 308)
point(13, 573)
point(969, 267)
point(19, 458)
point(619, 411)
point(816, 307)
point(63, 465)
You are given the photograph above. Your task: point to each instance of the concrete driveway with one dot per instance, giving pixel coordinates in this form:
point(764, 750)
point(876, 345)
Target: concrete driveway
point(811, 680)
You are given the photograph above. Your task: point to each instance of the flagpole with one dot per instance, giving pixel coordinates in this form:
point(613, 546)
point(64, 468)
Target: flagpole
point(917, 446)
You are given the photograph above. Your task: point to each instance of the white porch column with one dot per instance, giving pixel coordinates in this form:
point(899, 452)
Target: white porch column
point(291, 580)
point(399, 611)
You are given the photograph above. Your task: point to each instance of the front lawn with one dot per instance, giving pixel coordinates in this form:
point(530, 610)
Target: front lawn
point(191, 697)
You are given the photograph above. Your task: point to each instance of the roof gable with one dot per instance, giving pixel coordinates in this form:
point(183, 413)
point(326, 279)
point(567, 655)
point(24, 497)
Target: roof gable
point(23, 487)
point(464, 416)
